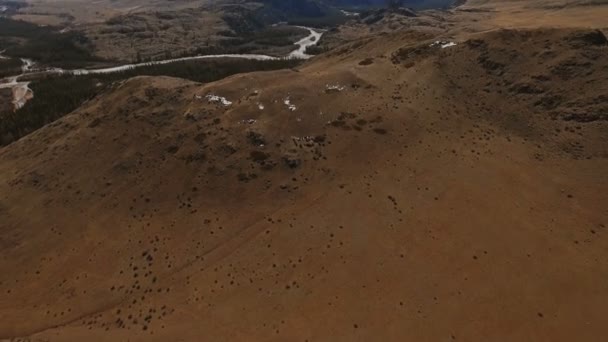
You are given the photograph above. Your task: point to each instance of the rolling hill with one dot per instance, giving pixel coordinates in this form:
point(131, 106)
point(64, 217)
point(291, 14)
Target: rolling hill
point(412, 185)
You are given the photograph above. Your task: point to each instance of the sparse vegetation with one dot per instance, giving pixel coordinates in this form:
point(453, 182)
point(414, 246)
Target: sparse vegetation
point(264, 39)
point(332, 20)
point(58, 96)
point(9, 66)
point(316, 50)
point(426, 179)
point(22, 39)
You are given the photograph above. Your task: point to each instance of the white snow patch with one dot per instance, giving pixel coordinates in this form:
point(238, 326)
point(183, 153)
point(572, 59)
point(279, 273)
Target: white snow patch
point(215, 99)
point(443, 44)
point(334, 87)
point(290, 105)
point(261, 106)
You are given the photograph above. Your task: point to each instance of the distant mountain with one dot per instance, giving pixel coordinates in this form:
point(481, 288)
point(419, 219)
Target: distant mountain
point(417, 4)
point(278, 10)
point(317, 13)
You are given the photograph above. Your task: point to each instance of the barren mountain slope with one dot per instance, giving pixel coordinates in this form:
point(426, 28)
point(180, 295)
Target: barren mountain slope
point(387, 190)
point(537, 13)
point(58, 12)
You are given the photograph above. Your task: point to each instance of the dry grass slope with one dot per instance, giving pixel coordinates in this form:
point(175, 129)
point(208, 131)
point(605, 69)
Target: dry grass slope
point(413, 193)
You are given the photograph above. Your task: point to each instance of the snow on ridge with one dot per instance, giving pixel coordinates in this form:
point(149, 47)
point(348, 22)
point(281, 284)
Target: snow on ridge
point(334, 87)
point(290, 105)
point(443, 44)
point(215, 99)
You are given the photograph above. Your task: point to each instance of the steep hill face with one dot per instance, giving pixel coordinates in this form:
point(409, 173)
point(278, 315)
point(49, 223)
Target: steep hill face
point(392, 189)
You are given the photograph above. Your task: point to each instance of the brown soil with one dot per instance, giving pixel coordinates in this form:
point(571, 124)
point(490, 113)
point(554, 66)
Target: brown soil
point(441, 194)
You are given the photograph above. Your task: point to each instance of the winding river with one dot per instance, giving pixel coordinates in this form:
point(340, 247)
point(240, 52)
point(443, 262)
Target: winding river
point(22, 93)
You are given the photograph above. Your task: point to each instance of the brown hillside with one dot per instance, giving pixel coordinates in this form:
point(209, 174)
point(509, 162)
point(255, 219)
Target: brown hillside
point(414, 193)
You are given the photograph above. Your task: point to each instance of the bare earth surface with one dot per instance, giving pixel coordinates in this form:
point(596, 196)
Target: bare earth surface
point(388, 190)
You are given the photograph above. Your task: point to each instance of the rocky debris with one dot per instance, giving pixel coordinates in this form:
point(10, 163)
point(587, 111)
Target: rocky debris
point(256, 139)
point(367, 61)
point(485, 59)
point(381, 131)
point(227, 150)
point(594, 38)
point(259, 156)
point(491, 66)
point(549, 101)
point(571, 69)
point(198, 156)
point(190, 116)
point(173, 149)
point(246, 177)
point(341, 121)
point(292, 161)
point(319, 139)
point(526, 88)
point(586, 117)
point(95, 122)
point(476, 44)
point(411, 54)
